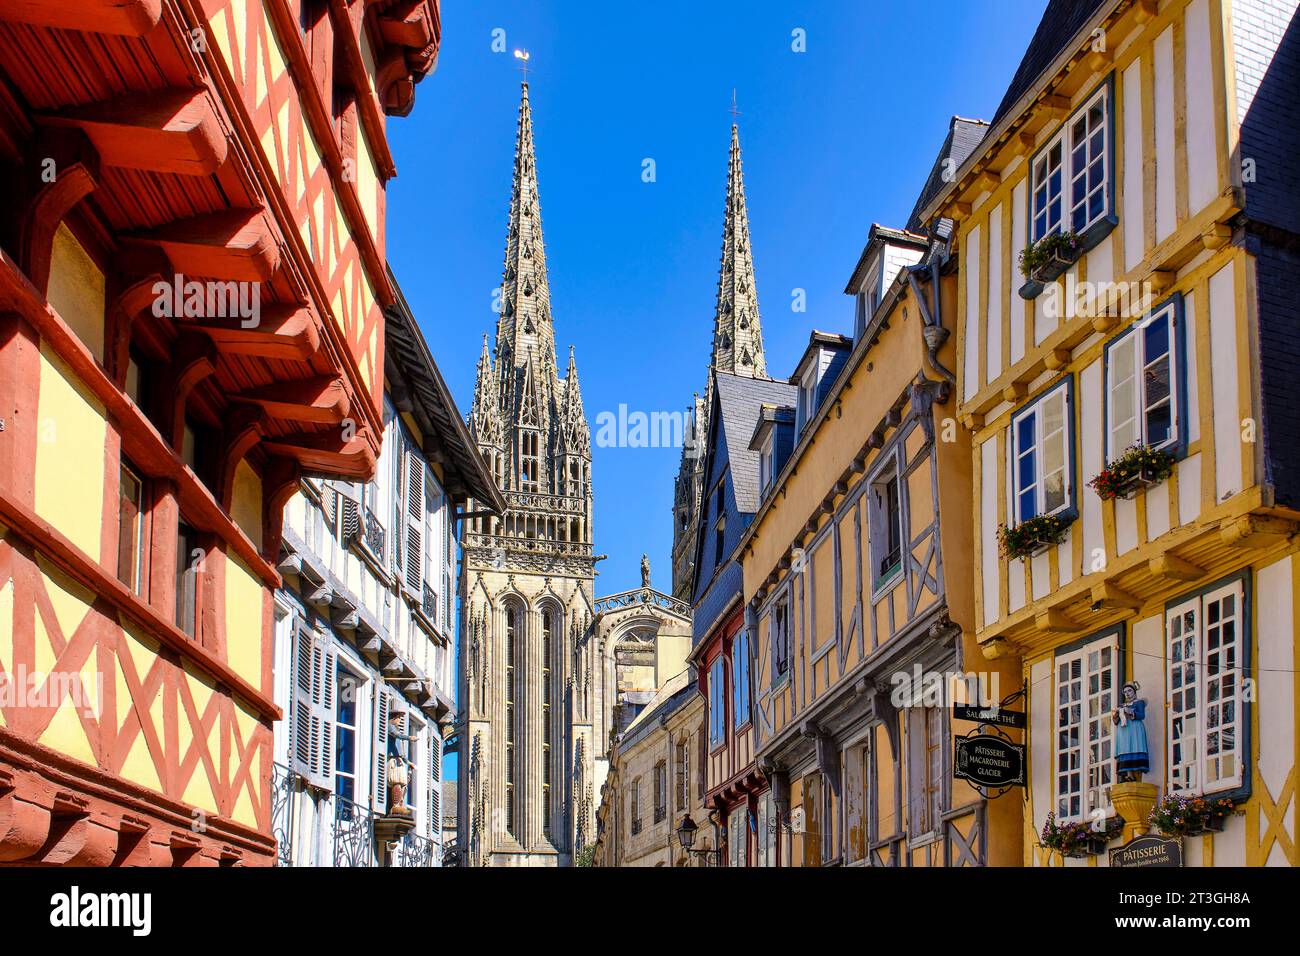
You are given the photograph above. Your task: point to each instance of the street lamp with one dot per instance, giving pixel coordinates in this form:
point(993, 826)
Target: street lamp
point(686, 837)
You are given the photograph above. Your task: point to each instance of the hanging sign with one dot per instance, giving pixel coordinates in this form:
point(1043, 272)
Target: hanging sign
point(989, 761)
point(989, 715)
point(1150, 850)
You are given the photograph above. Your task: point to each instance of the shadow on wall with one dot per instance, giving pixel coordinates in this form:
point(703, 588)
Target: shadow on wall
point(1265, 166)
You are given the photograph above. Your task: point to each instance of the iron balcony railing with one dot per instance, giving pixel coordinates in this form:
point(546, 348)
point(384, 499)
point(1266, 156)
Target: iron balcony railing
point(283, 790)
point(354, 833)
point(413, 850)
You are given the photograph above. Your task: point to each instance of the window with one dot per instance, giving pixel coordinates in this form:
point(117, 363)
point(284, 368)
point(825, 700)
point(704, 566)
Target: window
point(1071, 179)
point(740, 677)
point(925, 744)
point(886, 518)
point(1087, 682)
point(130, 530)
point(766, 463)
point(345, 735)
point(661, 791)
point(815, 820)
point(634, 813)
point(766, 830)
point(720, 524)
point(717, 701)
point(1206, 658)
point(1041, 452)
point(547, 692)
point(189, 558)
point(781, 638)
point(512, 647)
point(807, 397)
point(530, 472)
point(737, 837)
point(682, 764)
point(1141, 384)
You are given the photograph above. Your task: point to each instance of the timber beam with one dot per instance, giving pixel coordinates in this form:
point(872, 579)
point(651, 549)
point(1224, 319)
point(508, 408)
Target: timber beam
point(128, 18)
point(237, 244)
point(327, 452)
point(163, 131)
point(322, 399)
point(280, 332)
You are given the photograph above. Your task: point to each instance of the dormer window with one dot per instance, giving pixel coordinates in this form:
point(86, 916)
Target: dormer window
point(767, 463)
point(807, 397)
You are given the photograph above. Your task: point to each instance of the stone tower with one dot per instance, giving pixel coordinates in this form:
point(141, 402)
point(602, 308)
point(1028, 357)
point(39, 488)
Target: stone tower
point(737, 348)
point(526, 662)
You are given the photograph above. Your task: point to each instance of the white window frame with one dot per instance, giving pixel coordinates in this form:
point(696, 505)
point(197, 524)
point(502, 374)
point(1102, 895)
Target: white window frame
point(808, 394)
point(740, 683)
point(767, 461)
point(738, 837)
point(1136, 409)
point(1064, 393)
point(1194, 651)
point(1084, 709)
point(890, 467)
point(926, 726)
point(717, 702)
point(1041, 166)
point(780, 635)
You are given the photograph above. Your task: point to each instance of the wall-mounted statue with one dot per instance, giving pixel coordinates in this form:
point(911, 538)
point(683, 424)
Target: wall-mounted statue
point(1131, 760)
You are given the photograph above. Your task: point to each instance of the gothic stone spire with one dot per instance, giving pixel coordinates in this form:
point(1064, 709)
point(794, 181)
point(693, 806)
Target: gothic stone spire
point(525, 327)
point(737, 332)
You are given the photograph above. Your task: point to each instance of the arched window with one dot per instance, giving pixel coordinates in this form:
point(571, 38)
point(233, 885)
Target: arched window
point(512, 646)
point(548, 627)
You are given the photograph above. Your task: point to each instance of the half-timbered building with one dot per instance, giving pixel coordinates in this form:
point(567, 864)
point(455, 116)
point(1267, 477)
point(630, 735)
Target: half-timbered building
point(856, 604)
point(734, 790)
point(192, 287)
point(365, 629)
point(1124, 350)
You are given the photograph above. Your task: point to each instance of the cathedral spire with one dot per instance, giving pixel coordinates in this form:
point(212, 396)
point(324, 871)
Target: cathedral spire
point(737, 332)
point(485, 413)
point(525, 328)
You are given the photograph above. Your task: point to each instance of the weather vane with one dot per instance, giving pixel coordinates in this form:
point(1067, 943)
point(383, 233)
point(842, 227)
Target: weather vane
point(522, 57)
point(733, 111)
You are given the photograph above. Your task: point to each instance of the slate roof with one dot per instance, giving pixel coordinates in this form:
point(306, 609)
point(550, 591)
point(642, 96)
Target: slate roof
point(740, 401)
point(963, 136)
point(1061, 21)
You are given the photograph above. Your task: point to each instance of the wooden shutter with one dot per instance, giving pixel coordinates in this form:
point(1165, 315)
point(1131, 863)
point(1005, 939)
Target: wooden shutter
point(326, 710)
point(415, 522)
point(303, 668)
point(435, 784)
point(917, 824)
point(381, 750)
point(349, 504)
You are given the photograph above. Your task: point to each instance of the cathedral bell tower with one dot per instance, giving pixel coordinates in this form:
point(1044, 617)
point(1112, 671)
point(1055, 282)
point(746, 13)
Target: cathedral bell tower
point(525, 748)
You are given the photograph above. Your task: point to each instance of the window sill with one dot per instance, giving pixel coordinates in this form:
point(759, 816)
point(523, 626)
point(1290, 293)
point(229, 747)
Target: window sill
point(1091, 237)
point(886, 584)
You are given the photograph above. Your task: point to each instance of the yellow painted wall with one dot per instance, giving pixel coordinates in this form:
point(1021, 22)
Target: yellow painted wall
point(244, 597)
point(76, 290)
point(71, 431)
point(246, 502)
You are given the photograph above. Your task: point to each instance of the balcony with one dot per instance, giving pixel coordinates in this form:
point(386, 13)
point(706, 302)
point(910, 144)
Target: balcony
point(412, 850)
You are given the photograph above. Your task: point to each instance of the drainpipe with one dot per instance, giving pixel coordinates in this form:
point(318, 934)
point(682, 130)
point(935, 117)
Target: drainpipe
point(935, 334)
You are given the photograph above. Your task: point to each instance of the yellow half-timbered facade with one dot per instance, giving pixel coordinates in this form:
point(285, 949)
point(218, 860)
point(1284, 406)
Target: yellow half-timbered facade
point(856, 571)
point(1153, 328)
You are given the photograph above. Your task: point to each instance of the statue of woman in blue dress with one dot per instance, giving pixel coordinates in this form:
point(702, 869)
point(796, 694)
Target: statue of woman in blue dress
point(1131, 759)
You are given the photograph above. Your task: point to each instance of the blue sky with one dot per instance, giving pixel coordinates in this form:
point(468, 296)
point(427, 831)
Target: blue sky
point(834, 138)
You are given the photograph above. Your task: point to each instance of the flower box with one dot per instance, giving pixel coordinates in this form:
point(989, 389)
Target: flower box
point(1215, 824)
point(1137, 467)
point(1079, 840)
point(1191, 816)
point(1032, 536)
point(1043, 261)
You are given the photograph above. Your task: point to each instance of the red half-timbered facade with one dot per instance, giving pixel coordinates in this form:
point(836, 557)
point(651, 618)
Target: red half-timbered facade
point(192, 288)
